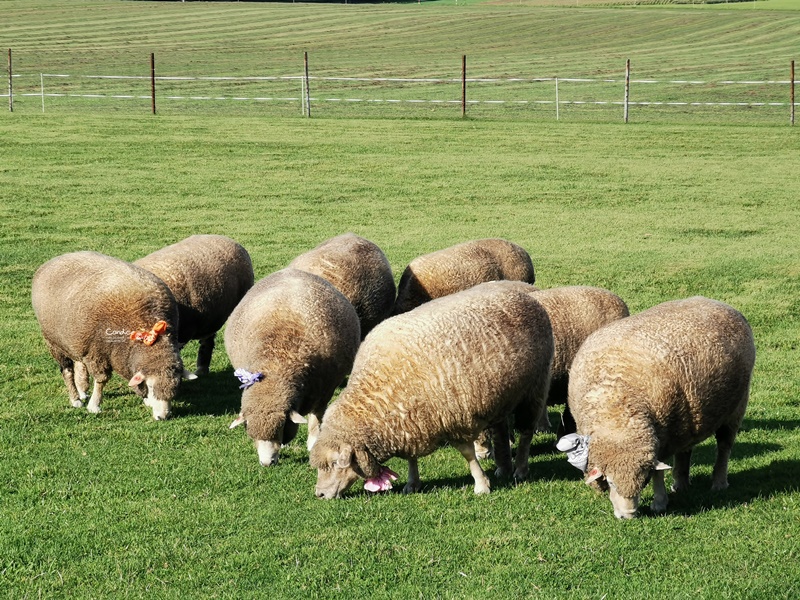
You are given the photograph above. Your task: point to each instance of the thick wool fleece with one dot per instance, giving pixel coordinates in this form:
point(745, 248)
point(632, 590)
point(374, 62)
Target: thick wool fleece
point(658, 383)
point(360, 270)
point(208, 275)
point(460, 267)
point(87, 304)
point(442, 372)
point(302, 334)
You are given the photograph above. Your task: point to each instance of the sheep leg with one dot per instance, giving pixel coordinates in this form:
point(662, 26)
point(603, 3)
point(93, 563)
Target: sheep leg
point(659, 503)
point(523, 454)
point(413, 483)
point(725, 436)
point(483, 445)
point(543, 421)
point(502, 448)
point(68, 373)
point(467, 450)
point(204, 355)
point(313, 429)
point(82, 380)
point(100, 380)
point(680, 470)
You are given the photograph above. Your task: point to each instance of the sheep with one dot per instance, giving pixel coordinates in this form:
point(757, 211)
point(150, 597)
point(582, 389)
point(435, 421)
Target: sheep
point(575, 312)
point(654, 385)
point(360, 270)
point(440, 373)
point(208, 275)
point(460, 267)
point(100, 315)
point(292, 340)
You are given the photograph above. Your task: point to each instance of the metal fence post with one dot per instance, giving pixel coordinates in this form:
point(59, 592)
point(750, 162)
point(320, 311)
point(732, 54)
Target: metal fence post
point(153, 81)
point(308, 93)
point(791, 96)
point(10, 84)
point(627, 86)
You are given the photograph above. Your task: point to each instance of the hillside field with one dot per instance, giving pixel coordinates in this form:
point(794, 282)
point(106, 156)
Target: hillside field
point(668, 206)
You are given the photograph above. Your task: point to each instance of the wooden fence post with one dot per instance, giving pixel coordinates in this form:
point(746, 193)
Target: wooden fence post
point(305, 76)
point(10, 85)
point(627, 87)
point(463, 85)
point(153, 81)
point(791, 96)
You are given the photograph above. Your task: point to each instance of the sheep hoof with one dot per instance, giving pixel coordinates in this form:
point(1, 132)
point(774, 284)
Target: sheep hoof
point(719, 485)
point(658, 506)
point(482, 489)
point(502, 472)
point(521, 474)
point(76, 403)
point(411, 488)
point(94, 409)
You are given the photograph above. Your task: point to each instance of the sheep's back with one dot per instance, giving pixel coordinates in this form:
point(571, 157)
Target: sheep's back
point(290, 317)
point(208, 275)
point(575, 313)
point(684, 364)
point(445, 370)
point(359, 269)
point(83, 299)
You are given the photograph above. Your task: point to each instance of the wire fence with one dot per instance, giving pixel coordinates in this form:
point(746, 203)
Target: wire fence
point(554, 96)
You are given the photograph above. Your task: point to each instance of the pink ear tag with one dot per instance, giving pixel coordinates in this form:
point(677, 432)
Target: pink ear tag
point(382, 482)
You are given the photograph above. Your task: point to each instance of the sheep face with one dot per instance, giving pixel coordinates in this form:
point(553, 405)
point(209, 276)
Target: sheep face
point(623, 471)
point(269, 431)
point(159, 386)
point(336, 470)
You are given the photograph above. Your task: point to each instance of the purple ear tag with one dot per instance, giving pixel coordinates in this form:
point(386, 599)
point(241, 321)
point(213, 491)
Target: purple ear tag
point(247, 378)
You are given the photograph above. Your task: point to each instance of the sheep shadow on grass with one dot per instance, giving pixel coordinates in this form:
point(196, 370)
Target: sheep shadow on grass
point(216, 394)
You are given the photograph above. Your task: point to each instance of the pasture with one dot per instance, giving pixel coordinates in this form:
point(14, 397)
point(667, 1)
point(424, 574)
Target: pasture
point(118, 505)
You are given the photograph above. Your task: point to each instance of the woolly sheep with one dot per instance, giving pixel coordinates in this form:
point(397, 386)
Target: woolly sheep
point(292, 340)
point(208, 275)
point(654, 385)
point(575, 312)
point(460, 267)
point(100, 315)
point(360, 270)
point(440, 373)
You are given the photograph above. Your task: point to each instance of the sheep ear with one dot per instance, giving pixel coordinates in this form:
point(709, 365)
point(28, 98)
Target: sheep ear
point(238, 421)
point(345, 457)
point(136, 379)
point(593, 475)
point(660, 466)
point(296, 417)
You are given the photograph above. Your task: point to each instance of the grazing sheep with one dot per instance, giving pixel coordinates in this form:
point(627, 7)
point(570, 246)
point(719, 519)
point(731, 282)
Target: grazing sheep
point(654, 385)
point(292, 340)
point(575, 312)
point(460, 267)
point(440, 373)
point(208, 275)
point(360, 270)
point(100, 315)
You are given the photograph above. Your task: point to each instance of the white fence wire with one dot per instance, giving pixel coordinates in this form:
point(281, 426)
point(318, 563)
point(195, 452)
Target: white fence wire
point(297, 82)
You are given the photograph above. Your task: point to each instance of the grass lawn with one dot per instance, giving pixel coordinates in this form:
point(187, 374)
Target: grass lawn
point(117, 505)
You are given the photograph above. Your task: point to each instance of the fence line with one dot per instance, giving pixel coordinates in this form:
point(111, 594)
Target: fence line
point(305, 98)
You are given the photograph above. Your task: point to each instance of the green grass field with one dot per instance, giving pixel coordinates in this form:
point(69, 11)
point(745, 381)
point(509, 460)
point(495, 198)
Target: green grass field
point(117, 505)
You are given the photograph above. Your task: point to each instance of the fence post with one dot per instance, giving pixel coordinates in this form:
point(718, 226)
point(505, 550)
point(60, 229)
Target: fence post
point(463, 85)
point(153, 81)
point(791, 96)
point(41, 80)
point(10, 85)
point(305, 75)
point(627, 86)
point(557, 116)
